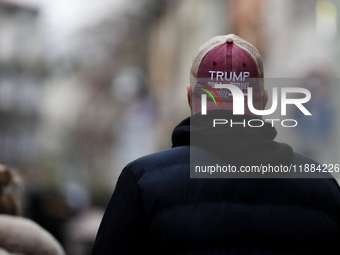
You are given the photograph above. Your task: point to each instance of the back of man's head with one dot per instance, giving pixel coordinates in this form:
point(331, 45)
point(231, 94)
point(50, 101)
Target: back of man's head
point(227, 60)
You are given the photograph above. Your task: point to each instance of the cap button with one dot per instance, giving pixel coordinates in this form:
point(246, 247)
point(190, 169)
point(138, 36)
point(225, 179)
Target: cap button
point(230, 40)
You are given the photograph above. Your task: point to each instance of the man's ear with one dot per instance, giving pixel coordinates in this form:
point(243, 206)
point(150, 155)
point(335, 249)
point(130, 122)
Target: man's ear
point(188, 94)
point(265, 98)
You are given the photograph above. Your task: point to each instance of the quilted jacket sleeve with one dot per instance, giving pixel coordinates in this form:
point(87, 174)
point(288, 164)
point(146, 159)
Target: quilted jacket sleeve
point(122, 229)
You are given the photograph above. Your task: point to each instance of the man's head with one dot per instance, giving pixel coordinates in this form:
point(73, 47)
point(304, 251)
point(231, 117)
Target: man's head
point(229, 60)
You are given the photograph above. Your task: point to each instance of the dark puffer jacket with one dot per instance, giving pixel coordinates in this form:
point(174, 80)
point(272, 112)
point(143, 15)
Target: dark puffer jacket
point(158, 209)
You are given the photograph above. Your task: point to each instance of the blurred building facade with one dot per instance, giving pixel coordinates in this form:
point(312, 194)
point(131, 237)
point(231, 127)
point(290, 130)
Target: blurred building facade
point(22, 75)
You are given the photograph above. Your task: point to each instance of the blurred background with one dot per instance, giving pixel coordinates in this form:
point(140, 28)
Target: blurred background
point(88, 86)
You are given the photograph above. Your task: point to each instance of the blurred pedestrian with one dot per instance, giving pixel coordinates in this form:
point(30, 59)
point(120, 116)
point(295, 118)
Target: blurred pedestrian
point(19, 235)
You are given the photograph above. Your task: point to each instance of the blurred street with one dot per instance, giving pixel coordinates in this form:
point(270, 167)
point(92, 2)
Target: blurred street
point(76, 76)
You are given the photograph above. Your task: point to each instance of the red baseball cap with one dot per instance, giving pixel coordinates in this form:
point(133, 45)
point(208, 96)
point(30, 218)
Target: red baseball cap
point(226, 59)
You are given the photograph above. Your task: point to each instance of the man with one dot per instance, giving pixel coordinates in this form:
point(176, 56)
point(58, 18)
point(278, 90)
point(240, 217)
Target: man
point(157, 208)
